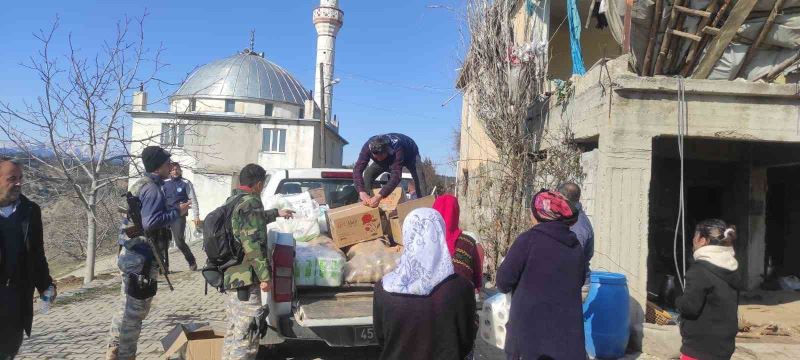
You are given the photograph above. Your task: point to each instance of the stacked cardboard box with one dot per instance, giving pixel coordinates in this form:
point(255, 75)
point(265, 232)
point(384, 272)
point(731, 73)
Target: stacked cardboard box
point(397, 217)
point(357, 223)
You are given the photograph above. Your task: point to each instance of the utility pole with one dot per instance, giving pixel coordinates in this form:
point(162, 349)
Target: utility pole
point(322, 114)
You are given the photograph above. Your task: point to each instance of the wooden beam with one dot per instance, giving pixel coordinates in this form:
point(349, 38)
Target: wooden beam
point(778, 69)
point(647, 69)
point(765, 29)
point(662, 53)
point(692, 53)
point(685, 35)
point(708, 30)
point(675, 47)
point(738, 15)
point(626, 44)
point(694, 12)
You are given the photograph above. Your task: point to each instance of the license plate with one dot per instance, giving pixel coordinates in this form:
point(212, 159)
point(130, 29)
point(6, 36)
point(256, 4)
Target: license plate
point(364, 335)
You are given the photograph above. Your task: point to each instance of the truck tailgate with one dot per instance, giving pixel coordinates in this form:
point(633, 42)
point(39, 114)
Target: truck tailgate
point(334, 309)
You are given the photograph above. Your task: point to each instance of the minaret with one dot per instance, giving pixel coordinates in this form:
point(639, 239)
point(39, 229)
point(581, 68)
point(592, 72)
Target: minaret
point(328, 19)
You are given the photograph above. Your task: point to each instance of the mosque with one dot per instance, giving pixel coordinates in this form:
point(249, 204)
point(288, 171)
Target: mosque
point(246, 109)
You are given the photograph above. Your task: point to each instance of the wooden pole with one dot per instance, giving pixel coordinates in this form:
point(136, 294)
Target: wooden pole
point(738, 15)
point(751, 51)
point(691, 58)
point(662, 52)
point(626, 46)
point(654, 24)
point(675, 46)
point(778, 69)
point(704, 22)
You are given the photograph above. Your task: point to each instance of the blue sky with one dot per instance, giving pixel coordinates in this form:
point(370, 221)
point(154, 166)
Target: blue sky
point(396, 60)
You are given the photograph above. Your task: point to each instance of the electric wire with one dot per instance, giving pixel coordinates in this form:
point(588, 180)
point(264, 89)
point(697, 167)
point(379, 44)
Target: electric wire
point(680, 224)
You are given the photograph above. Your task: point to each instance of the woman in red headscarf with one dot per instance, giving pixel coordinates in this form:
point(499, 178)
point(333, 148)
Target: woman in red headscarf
point(463, 248)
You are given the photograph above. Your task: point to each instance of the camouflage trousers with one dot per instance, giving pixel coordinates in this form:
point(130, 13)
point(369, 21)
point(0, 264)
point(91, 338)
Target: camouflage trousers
point(239, 344)
point(126, 323)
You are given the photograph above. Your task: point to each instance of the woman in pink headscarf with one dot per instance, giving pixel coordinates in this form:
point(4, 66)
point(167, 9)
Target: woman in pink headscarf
point(545, 269)
point(463, 249)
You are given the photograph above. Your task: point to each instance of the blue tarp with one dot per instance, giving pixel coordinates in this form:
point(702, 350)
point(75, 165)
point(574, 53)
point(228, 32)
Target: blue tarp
point(575, 38)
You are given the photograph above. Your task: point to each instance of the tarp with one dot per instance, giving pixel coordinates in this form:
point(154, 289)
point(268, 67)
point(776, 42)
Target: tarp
point(575, 38)
point(782, 41)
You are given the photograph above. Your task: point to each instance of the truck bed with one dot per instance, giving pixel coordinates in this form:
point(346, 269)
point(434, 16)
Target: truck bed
point(328, 308)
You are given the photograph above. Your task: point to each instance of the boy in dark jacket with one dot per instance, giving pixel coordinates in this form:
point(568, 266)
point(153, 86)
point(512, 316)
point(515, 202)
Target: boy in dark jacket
point(709, 305)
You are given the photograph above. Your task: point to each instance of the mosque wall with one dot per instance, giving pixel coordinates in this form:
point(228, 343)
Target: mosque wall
point(256, 108)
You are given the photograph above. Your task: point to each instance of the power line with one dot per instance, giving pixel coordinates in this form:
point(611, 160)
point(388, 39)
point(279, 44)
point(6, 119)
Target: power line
point(393, 111)
point(396, 84)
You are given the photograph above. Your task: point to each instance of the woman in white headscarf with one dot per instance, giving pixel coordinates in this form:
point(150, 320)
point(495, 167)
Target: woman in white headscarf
point(422, 310)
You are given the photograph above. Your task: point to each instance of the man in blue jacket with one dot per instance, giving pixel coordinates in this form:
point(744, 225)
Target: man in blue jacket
point(179, 190)
point(389, 153)
point(136, 257)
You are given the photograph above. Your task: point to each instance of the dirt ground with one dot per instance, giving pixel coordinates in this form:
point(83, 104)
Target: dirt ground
point(75, 282)
point(770, 315)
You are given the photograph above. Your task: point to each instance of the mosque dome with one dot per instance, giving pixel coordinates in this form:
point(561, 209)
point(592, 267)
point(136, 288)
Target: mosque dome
point(244, 76)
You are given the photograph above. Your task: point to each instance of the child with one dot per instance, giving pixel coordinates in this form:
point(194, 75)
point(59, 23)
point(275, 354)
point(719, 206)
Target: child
point(710, 300)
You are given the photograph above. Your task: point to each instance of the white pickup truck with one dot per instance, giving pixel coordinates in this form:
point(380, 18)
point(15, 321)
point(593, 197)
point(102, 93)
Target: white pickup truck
point(340, 316)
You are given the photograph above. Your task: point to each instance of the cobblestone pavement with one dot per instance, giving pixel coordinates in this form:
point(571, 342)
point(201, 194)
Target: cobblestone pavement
point(78, 324)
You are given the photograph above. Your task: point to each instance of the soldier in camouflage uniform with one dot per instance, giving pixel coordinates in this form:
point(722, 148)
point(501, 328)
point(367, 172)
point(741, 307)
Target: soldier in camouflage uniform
point(136, 256)
point(244, 282)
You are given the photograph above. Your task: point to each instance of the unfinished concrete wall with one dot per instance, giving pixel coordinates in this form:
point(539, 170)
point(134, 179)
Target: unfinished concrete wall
point(626, 112)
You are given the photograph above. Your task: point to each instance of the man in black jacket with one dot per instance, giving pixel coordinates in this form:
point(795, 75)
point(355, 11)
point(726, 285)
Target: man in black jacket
point(24, 266)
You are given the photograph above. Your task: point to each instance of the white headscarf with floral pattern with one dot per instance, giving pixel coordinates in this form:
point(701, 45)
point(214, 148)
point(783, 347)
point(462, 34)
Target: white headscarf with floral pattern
point(425, 262)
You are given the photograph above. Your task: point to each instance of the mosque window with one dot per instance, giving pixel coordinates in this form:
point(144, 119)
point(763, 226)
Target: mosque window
point(230, 105)
point(192, 104)
point(273, 140)
point(268, 109)
point(173, 135)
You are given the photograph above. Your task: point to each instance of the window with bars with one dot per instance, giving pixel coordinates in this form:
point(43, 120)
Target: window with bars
point(268, 109)
point(172, 135)
point(230, 106)
point(274, 140)
point(192, 104)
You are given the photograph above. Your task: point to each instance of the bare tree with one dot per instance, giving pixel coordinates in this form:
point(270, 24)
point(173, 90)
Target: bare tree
point(505, 81)
point(76, 129)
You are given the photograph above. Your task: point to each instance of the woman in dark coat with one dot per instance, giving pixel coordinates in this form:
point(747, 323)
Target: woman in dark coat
point(709, 304)
point(423, 310)
point(544, 270)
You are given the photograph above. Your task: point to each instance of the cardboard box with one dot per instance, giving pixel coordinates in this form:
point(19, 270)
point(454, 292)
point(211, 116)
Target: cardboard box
point(195, 341)
point(390, 202)
point(397, 230)
point(353, 224)
point(403, 209)
point(318, 195)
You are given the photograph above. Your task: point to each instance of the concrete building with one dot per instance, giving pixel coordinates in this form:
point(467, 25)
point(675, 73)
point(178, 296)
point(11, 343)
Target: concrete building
point(245, 109)
point(740, 162)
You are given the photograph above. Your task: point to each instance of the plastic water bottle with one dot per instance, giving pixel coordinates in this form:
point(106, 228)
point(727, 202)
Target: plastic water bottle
point(47, 299)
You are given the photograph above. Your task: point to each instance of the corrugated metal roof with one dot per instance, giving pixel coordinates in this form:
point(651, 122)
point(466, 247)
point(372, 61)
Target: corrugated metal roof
point(246, 75)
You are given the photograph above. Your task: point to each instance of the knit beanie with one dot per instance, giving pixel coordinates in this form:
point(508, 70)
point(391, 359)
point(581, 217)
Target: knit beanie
point(153, 157)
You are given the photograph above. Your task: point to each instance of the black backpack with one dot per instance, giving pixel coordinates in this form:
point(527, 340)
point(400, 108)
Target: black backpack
point(222, 249)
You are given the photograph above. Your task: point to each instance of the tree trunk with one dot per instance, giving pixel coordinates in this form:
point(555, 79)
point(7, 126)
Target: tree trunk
point(91, 240)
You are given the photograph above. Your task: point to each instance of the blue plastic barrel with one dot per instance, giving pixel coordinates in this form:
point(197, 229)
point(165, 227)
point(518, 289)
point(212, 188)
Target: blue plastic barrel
point(605, 316)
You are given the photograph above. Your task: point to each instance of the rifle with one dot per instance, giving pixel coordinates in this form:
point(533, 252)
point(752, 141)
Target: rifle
point(135, 215)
